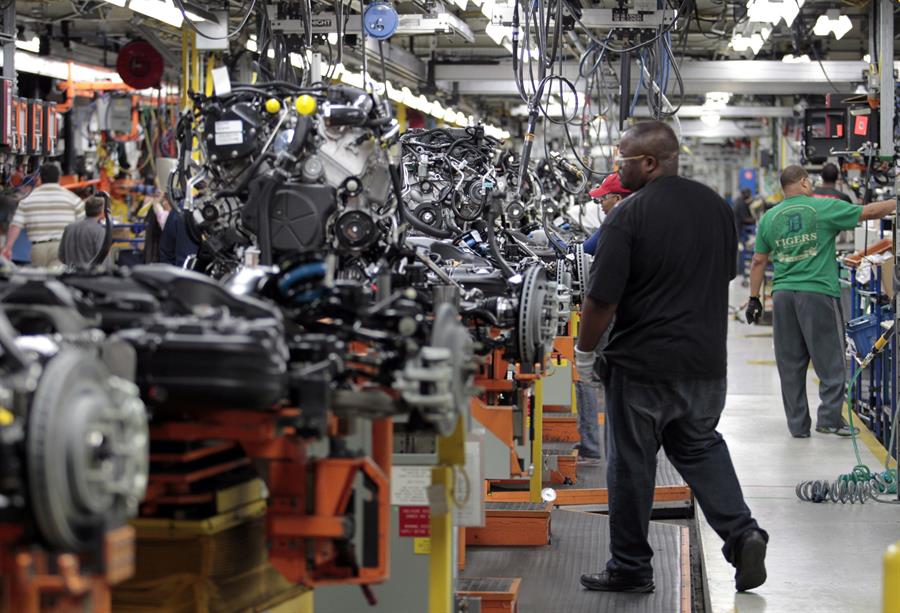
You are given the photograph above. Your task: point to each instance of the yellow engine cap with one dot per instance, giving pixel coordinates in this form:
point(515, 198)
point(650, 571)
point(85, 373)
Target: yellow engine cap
point(273, 105)
point(306, 104)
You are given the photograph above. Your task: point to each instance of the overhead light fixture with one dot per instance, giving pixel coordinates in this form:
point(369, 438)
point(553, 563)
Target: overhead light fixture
point(717, 100)
point(798, 59)
point(33, 45)
point(832, 22)
point(753, 42)
point(164, 11)
point(119, 3)
point(497, 33)
point(710, 119)
point(769, 11)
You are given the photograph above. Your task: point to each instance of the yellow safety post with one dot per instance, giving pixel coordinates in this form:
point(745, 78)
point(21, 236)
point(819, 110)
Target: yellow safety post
point(195, 64)
point(574, 321)
point(451, 450)
point(401, 117)
point(536, 481)
point(208, 81)
point(891, 599)
point(187, 47)
point(574, 396)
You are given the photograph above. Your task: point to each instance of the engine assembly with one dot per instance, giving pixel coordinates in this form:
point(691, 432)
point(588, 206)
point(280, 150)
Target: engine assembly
point(73, 434)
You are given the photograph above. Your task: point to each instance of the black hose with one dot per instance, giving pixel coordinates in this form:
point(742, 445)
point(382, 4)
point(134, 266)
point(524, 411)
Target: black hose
point(408, 215)
point(492, 243)
point(107, 237)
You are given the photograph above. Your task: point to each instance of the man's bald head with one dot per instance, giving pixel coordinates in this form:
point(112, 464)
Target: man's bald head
point(648, 150)
point(654, 138)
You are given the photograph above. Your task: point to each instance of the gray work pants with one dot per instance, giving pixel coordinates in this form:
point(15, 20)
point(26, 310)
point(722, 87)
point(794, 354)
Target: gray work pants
point(587, 395)
point(808, 325)
point(681, 416)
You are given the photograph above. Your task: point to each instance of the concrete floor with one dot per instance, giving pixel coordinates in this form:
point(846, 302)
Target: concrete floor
point(821, 557)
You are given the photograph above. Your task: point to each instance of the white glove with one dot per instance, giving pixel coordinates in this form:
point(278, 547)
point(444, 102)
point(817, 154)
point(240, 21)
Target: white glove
point(584, 365)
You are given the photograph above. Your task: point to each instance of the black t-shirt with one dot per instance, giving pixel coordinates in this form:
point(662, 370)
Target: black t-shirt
point(666, 256)
point(742, 211)
point(830, 192)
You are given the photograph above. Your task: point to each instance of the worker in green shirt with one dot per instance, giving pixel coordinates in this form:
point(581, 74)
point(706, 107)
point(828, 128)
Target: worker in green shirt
point(798, 236)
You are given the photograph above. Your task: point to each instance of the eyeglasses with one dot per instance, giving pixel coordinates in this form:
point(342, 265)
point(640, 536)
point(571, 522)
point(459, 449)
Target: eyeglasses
point(608, 195)
point(619, 160)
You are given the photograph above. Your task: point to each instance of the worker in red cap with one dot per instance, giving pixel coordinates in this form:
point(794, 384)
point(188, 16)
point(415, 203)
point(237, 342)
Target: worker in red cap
point(609, 194)
point(589, 392)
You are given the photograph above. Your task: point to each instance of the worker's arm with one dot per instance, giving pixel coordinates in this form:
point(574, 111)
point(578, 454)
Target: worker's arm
point(877, 210)
point(11, 237)
point(757, 273)
point(595, 319)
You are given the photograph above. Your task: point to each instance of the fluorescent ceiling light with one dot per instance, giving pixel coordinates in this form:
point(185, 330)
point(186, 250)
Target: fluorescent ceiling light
point(710, 119)
point(753, 42)
point(717, 100)
point(769, 11)
point(832, 22)
point(33, 45)
point(164, 11)
point(497, 33)
point(119, 3)
point(56, 69)
point(799, 59)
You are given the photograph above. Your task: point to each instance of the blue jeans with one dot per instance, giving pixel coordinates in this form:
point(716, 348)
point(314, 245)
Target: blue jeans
point(587, 400)
point(681, 416)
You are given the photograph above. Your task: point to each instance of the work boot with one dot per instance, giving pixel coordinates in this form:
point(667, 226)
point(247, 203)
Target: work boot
point(750, 561)
point(586, 460)
point(608, 581)
point(842, 430)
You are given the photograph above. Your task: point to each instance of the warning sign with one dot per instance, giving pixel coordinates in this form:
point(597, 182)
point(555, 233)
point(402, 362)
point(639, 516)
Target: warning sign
point(414, 521)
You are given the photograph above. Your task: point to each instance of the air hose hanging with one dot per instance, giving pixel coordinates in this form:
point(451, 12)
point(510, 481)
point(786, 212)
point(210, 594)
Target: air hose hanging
point(860, 484)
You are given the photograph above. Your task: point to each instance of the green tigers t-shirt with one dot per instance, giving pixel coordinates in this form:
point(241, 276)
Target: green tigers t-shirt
point(798, 234)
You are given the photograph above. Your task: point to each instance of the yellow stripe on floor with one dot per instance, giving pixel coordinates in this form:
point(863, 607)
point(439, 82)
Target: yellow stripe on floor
point(761, 362)
point(758, 335)
point(866, 436)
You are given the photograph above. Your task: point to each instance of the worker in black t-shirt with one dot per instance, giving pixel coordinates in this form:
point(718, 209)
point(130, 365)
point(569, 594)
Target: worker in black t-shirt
point(662, 267)
point(828, 188)
point(742, 208)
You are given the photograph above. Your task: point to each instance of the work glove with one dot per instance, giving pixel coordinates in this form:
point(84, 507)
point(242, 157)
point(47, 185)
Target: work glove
point(754, 310)
point(584, 365)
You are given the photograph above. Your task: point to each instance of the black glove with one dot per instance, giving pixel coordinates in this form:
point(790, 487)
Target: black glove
point(754, 310)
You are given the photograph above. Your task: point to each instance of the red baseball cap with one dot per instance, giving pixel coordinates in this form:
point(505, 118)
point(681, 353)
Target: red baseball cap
point(611, 185)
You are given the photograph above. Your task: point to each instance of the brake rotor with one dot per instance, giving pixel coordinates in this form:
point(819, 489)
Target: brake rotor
point(537, 316)
point(449, 333)
point(87, 451)
point(582, 271)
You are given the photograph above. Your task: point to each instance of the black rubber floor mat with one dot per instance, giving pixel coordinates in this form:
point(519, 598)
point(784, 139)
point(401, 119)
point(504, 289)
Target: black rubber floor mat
point(595, 476)
point(514, 506)
point(579, 545)
point(483, 584)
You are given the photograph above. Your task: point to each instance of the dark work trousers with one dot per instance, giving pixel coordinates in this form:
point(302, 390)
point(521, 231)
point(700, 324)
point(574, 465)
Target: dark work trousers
point(809, 325)
point(681, 416)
